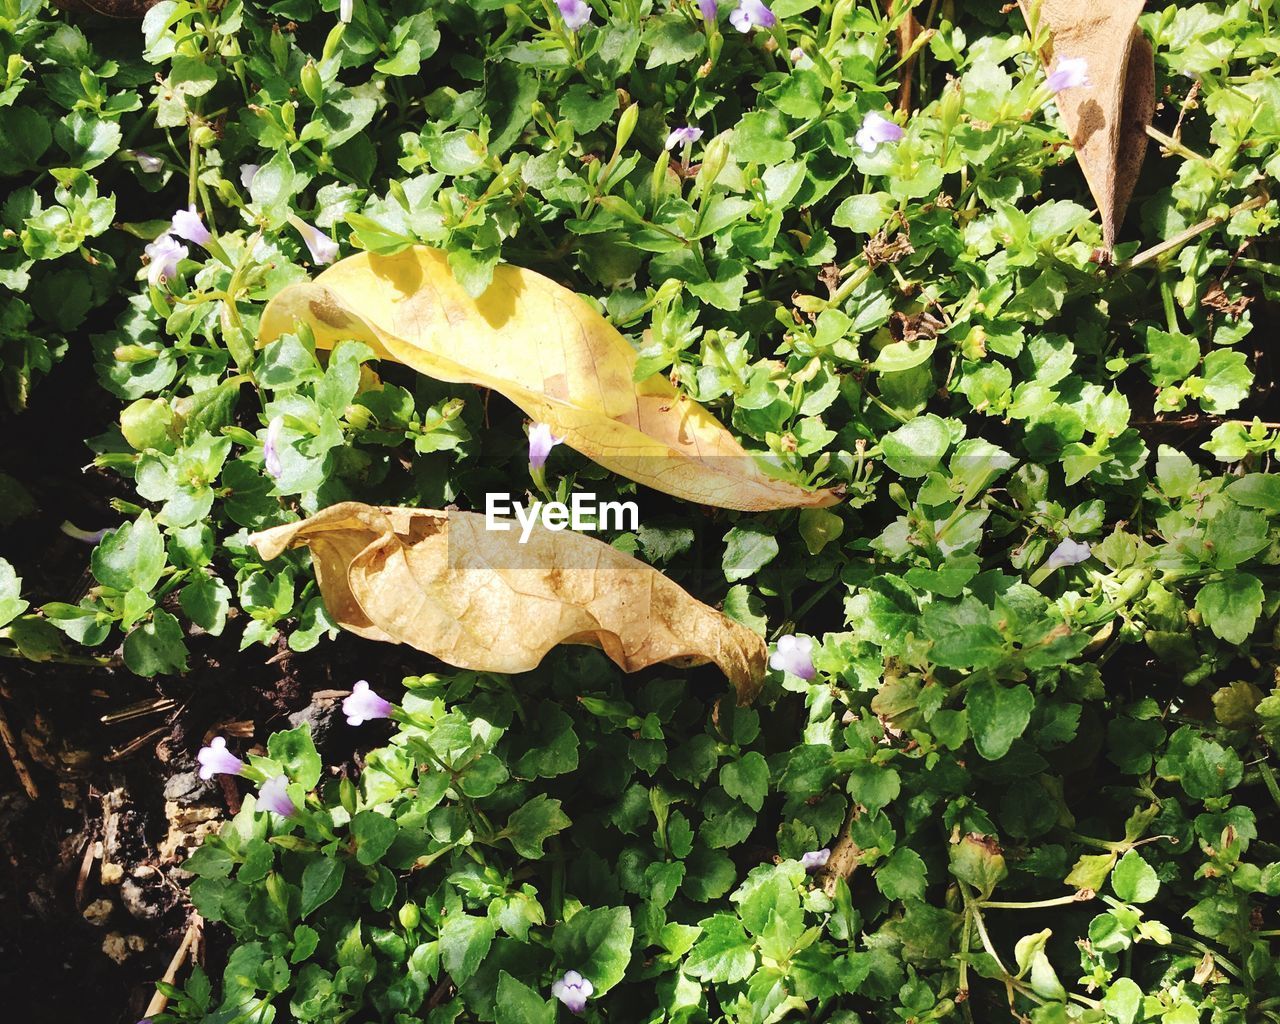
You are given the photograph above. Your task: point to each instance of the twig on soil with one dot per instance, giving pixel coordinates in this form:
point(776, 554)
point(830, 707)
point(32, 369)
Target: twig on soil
point(1183, 237)
point(159, 1001)
point(845, 856)
point(19, 766)
point(133, 746)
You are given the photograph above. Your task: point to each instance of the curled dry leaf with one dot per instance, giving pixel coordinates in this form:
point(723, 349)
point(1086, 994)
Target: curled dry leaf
point(546, 350)
point(1106, 119)
point(479, 599)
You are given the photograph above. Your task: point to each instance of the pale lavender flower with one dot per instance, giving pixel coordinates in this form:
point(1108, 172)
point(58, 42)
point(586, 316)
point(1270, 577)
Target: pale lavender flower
point(247, 173)
point(271, 448)
point(573, 990)
point(323, 249)
point(272, 797)
point(541, 441)
point(1068, 73)
point(685, 136)
point(1069, 552)
point(815, 859)
point(875, 130)
point(187, 224)
point(364, 705)
point(147, 163)
point(346, 8)
point(216, 759)
point(86, 536)
point(794, 654)
point(164, 255)
point(708, 9)
point(576, 13)
point(751, 14)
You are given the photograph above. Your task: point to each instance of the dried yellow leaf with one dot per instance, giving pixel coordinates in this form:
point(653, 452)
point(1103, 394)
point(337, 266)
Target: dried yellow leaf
point(546, 350)
point(480, 599)
point(1106, 119)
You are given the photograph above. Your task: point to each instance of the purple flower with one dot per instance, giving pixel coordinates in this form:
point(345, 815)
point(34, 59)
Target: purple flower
point(794, 654)
point(272, 797)
point(323, 249)
point(815, 859)
point(875, 130)
point(685, 136)
point(346, 8)
point(216, 759)
point(271, 448)
point(247, 172)
point(147, 163)
point(364, 705)
point(573, 990)
point(751, 14)
point(1069, 552)
point(541, 442)
point(163, 256)
point(708, 9)
point(187, 224)
point(1068, 73)
point(576, 13)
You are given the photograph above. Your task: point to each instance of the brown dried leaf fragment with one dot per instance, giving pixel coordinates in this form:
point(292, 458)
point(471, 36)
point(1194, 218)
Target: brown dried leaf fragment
point(1106, 119)
point(480, 599)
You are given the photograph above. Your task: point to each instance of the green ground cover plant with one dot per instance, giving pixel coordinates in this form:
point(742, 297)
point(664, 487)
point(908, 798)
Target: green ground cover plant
point(1015, 754)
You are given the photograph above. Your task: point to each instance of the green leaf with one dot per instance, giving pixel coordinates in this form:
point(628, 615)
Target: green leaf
point(530, 826)
point(132, 556)
point(1231, 606)
point(747, 779)
point(464, 943)
point(998, 715)
point(1123, 1000)
point(374, 833)
point(157, 647)
point(321, 880)
point(724, 953)
point(1256, 490)
point(748, 549)
point(295, 751)
point(874, 785)
point(962, 634)
point(917, 447)
point(517, 1003)
point(1134, 880)
point(902, 876)
point(597, 944)
point(11, 603)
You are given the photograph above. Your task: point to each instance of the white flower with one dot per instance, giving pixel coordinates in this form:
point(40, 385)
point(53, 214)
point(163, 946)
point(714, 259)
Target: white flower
point(163, 256)
point(573, 990)
point(323, 249)
point(794, 654)
point(875, 130)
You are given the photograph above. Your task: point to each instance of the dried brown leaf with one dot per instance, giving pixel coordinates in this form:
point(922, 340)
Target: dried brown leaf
point(1106, 120)
point(479, 599)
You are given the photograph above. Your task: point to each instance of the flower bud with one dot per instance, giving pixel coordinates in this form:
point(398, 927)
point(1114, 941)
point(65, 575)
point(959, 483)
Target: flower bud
point(715, 154)
point(626, 125)
point(279, 47)
point(409, 916)
point(134, 354)
point(950, 105)
point(204, 136)
point(358, 416)
point(288, 114)
point(312, 84)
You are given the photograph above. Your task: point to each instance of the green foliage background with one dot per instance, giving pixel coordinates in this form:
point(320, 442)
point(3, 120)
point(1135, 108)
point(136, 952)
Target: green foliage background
point(1058, 785)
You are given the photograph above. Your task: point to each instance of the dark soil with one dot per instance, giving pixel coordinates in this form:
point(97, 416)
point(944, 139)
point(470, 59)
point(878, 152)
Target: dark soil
point(92, 901)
